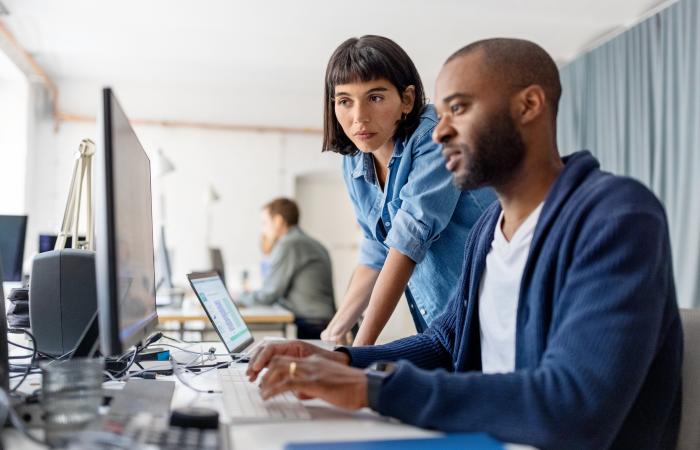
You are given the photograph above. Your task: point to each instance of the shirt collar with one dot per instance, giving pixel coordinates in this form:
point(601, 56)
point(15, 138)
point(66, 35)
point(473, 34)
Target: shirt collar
point(364, 163)
point(364, 167)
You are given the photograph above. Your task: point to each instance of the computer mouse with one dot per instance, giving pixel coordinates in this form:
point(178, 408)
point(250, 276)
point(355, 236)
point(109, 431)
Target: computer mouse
point(195, 417)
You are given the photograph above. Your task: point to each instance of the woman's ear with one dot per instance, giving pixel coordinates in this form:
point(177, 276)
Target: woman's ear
point(408, 99)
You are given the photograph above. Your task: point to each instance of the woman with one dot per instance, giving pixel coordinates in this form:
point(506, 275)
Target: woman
point(414, 221)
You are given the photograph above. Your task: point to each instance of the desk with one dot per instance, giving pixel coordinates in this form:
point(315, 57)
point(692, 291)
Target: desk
point(329, 423)
point(257, 317)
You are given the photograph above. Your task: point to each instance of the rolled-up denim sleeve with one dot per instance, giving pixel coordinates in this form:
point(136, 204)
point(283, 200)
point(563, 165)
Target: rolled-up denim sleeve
point(428, 200)
point(372, 254)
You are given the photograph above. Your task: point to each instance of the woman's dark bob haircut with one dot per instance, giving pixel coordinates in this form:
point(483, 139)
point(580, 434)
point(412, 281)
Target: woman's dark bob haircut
point(366, 59)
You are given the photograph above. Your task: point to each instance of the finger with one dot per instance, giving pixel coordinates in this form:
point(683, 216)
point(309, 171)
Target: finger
point(277, 369)
point(259, 361)
point(252, 374)
point(302, 396)
point(286, 385)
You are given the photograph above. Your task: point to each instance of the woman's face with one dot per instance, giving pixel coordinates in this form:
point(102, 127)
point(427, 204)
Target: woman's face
point(369, 112)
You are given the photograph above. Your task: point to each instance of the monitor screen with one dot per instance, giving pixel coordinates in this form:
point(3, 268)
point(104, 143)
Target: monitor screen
point(47, 242)
point(4, 360)
point(222, 312)
point(13, 230)
point(124, 245)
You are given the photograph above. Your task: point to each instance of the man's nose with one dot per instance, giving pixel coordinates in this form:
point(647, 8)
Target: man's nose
point(443, 132)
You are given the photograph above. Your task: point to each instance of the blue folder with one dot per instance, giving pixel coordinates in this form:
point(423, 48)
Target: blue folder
point(455, 441)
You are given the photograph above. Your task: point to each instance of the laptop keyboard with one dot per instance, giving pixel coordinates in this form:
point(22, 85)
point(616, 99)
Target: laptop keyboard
point(243, 402)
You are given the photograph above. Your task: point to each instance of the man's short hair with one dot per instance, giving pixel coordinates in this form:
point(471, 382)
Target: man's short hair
point(519, 63)
point(286, 208)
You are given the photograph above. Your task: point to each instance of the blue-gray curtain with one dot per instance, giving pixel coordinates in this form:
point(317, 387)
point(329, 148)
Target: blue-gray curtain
point(635, 103)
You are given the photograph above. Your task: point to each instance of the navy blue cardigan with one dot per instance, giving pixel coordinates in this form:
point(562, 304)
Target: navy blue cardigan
point(598, 335)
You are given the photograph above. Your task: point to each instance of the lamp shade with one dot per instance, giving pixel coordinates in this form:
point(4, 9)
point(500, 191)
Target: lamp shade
point(165, 166)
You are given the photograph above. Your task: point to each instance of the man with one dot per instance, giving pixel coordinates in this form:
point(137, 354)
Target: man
point(566, 333)
point(299, 275)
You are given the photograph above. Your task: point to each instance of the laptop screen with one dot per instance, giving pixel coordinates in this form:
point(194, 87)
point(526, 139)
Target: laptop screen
point(222, 312)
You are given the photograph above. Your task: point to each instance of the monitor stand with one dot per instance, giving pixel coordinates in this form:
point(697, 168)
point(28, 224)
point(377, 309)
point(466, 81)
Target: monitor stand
point(88, 347)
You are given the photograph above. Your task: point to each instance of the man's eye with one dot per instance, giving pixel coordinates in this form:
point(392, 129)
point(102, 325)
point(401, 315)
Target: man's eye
point(457, 108)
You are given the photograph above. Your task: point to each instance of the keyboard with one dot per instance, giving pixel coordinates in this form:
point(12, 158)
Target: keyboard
point(243, 402)
point(139, 417)
point(147, 430)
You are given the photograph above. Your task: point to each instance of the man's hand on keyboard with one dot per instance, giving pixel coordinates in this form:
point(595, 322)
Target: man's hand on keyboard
point(316, 377)
point(297, 349)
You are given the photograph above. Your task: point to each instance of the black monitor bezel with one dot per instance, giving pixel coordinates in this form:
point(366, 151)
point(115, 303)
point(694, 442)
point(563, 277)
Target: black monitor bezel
point(111, 343)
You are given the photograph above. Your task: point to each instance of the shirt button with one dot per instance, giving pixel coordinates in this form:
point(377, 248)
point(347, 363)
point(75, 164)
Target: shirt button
point(422, 311)
point(410, 305)
point(387, 224)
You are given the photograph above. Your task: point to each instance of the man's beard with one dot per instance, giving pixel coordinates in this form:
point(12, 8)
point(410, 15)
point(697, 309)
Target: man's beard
point(499, 152)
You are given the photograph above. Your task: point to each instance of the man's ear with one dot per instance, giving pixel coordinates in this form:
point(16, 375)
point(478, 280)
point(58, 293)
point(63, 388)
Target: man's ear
point(408, 99)
point(278, 221)
point(530, 104)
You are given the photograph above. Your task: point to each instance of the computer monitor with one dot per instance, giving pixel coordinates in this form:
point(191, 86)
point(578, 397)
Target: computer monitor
point(47, 242)
point(4, 358)
point(164, 278)
point(126, 297)
point(13, 230)
point(216, 260)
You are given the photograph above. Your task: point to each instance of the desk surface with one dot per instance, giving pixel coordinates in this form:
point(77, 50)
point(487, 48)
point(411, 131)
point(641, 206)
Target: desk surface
point(192, 310)
point(329, 423)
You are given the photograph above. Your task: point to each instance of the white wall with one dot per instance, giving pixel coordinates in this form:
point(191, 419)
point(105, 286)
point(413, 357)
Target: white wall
point(327, 214)
point(14, 114)
point(247, 170)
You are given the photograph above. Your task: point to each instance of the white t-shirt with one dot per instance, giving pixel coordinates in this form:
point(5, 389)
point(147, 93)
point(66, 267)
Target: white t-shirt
point(499, 291)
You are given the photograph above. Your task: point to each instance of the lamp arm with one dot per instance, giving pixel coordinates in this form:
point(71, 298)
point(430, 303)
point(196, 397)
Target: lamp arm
point(82, 173)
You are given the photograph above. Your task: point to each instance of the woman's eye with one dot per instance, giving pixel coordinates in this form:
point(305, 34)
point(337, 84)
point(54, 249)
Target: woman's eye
point(376, 98)
point(341, 102)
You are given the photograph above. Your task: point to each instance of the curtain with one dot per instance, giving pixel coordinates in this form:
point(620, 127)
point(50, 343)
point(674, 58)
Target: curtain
point(634, 102)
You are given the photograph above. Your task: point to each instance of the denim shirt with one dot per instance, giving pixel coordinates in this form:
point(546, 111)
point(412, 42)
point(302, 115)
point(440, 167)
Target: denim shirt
point(420, 213)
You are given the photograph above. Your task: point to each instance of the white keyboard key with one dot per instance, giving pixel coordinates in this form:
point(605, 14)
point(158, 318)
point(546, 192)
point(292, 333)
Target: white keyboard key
point(243, 402)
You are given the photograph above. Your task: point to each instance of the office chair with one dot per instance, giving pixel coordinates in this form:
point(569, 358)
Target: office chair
point(689, 435)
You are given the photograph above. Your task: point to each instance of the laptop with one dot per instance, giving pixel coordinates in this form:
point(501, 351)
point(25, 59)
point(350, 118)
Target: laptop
point(222, 312)
point(241, 397)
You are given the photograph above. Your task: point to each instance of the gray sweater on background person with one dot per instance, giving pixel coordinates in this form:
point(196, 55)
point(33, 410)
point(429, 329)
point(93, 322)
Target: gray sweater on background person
point(299, 279)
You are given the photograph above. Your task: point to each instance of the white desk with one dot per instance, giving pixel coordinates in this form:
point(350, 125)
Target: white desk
point(329, 423)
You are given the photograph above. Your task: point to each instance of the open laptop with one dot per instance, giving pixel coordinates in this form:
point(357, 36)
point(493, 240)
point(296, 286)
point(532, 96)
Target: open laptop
point(241, 397)
point(222, 312)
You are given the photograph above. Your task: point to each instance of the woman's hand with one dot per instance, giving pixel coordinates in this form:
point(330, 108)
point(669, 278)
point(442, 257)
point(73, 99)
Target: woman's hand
point(336, 335)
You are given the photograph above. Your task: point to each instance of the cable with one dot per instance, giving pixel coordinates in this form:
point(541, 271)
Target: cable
point(29, 367)
point(192, 351)
point(177, 371)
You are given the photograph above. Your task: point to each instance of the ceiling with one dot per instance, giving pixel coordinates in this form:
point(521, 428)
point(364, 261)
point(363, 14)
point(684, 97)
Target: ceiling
point(262, 62)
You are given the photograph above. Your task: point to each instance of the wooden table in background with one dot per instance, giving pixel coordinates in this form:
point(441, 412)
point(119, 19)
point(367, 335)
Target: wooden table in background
point(256, 317)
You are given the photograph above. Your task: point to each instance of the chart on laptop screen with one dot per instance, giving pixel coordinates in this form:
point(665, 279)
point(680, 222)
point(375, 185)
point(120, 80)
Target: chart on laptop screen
point(220, 308)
